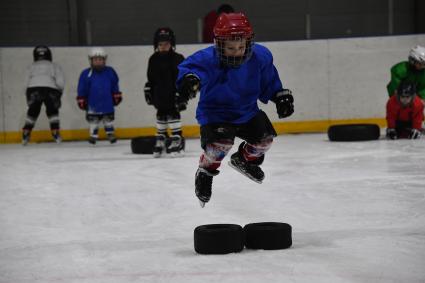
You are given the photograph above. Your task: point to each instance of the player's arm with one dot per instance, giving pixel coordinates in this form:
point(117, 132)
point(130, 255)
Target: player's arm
point(421, 93)
point(59, 77)
point(273, 90)
point(180, 100)
point(417, 119)
point(392, 111)
point(116, 93)
point(398, 72)
point(192, 75)
point(82, 91)
point(147, 90)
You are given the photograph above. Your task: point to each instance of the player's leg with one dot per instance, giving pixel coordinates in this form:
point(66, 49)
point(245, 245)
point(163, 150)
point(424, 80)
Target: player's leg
point(52, 101)
point(34, 102)
point(216, 141)
point(258, 134)
point(94, 121)
point(161, 133)
point(174, 123)
point(108, 122)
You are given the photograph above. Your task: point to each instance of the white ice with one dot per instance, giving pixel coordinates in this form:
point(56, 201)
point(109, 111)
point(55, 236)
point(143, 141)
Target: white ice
point(77, 213)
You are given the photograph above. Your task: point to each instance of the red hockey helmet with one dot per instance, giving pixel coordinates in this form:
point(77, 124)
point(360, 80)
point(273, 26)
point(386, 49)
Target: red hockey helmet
point(233, 27)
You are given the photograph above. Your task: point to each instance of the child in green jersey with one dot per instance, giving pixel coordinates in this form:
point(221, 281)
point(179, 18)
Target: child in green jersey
point(411, 71)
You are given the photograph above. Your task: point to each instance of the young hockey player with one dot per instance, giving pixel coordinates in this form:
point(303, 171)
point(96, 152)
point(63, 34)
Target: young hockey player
point(232, 76)
point(160, 91)
point(412, 71)
point(98, 94)
point(45, 84)
point(405, 113)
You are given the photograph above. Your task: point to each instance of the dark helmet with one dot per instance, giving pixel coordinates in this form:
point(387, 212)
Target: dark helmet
point(406, 89)
point(42, 52)
point(164, 34)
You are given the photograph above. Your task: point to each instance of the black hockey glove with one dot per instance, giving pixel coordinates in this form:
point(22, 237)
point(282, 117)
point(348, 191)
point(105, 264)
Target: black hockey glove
point(415, 134)
point(189, 87)
point(148, 93)
point(284, 103)
point(391, 134)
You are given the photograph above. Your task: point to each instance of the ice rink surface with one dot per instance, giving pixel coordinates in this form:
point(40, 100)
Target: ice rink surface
point(77, 213)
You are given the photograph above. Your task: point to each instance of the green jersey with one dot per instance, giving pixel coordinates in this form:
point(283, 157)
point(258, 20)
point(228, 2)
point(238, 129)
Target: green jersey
point(405, 71)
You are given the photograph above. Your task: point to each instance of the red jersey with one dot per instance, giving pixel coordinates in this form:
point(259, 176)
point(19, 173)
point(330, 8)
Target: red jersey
point(397, 112)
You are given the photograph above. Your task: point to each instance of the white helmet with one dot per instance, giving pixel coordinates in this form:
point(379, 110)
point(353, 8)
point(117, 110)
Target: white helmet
point(97, 52)
point(417, 55)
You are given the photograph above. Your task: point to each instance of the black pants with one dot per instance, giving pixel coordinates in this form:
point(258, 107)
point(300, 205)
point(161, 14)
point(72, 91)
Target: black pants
point(255, 130)
point(36, 97)
point(166, 115)
point(218, 139)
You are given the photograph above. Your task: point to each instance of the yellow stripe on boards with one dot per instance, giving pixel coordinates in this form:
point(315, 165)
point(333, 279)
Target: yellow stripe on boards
point(189, 131)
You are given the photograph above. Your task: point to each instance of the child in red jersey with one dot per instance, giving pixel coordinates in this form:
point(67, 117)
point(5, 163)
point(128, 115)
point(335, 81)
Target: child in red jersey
point(405, 113)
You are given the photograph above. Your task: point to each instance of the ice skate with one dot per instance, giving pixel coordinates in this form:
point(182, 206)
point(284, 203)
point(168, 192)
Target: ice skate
point(56, 136)
point(176, 148)
point(92, 140)
point(26, 134)
point(203, 184)
point(159, 146)
point(251, 170)
point(112, 139)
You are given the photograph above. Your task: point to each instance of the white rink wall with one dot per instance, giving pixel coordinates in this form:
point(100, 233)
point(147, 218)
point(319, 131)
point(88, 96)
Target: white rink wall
point(330, 79)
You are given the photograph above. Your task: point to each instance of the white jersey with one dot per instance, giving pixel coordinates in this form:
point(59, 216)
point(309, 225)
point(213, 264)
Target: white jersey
point(44, 73)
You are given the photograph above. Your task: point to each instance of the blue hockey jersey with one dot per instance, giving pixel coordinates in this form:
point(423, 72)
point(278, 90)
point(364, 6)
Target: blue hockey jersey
point(229, 95)
point(98, 87)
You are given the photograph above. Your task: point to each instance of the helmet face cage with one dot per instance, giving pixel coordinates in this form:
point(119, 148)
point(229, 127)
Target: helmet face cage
point(42, 52)
point(415, 60)
point(233, 61)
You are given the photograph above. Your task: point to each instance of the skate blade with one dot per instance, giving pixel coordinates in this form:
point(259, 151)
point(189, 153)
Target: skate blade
point(243, 173)
point(202, 204)
point(156, 155)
